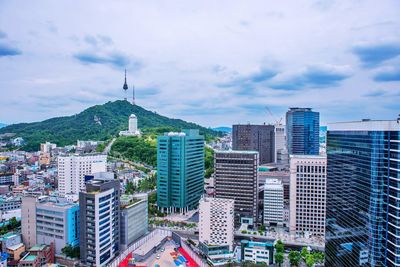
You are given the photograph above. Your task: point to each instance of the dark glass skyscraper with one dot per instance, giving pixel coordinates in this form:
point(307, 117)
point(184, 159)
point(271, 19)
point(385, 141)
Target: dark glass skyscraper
point(236, 174)
point(363, 194)
point(259, 138)
point(180, 170)
point(302, 126)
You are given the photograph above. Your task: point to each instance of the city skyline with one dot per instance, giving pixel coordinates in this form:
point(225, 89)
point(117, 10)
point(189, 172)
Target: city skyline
point(193, 62)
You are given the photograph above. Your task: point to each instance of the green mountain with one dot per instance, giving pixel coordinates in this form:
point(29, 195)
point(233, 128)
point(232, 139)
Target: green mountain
point(2, 125)
point(100, 122)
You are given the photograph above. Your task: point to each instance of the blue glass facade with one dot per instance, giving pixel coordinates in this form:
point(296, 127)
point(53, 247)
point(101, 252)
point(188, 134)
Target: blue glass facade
point(363, 204)
point(180, 170)
point(73, 225)
point(302, 126)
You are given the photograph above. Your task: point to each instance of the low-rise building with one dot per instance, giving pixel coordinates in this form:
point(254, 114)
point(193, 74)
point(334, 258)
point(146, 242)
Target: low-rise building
point(257, 252)
point(38, 256)
point(4, 189)
point(10, 203)
point(6, 178)
point(15, 251)
point(9, 240)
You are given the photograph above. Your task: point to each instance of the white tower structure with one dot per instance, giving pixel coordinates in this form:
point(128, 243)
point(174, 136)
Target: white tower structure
point(132, 127)
point(132, 123)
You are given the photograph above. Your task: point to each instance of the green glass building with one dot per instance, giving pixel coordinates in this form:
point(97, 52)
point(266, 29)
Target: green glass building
point(180, 171)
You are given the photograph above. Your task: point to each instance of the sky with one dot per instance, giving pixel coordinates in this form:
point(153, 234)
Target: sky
point(215, 63)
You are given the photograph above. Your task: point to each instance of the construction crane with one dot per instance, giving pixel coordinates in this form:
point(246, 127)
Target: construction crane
point(277, 122)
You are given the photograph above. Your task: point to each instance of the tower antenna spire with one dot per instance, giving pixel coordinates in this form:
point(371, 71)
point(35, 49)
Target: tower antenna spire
point(125, 87)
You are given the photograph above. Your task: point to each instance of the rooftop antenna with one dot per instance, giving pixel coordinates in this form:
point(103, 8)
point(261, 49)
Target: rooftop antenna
point(125, 87)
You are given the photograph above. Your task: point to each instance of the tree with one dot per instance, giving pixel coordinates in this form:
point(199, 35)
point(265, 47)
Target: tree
point(70, 251)
point(130, 188)
point(309, 260)
point(304, 253)
point(279, 258)
point(13, 223)
point(279, 246)
point(319, 257)
point(294, 258)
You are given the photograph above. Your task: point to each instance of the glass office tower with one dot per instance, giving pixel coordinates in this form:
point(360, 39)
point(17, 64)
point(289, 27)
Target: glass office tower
point(363, 194)
point(180, 170)
point(302, 126)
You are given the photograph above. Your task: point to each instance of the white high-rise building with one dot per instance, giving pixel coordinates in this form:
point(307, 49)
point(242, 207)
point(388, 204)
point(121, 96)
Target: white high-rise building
point(132, 127)
point(281, 152)
point(273, 202)
point(216, 221)
point(73, 168)
point(307, 195)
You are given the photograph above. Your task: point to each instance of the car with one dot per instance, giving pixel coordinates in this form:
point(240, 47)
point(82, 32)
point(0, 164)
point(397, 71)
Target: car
point(162, 249)
point(158, 257)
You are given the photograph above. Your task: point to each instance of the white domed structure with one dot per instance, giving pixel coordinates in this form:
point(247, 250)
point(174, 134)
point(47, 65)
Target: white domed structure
point(132, 123)
point(132, 129)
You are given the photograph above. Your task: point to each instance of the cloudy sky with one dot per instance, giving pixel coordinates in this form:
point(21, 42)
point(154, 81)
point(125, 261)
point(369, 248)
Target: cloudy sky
point(210, 62)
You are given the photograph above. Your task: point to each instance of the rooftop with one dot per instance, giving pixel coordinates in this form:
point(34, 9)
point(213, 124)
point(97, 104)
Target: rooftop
point(8, 235)
point(128, 200)
point(236, 152)
point(29, 257)
point(253, 244)
point(37, 247)
point(308, 156)
point(15, 247)
point(365, 125)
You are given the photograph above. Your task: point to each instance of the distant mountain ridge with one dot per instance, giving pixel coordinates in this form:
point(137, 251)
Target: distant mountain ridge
point(223, 129)
point(100, 122)
point(2, 125)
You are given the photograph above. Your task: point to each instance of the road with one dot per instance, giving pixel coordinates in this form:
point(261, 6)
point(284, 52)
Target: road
point(108, 147)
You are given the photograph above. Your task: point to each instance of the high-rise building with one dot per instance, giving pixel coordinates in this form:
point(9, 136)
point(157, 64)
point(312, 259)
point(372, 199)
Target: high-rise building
point(180, 170)
point(281, 154)
point(236, 178)
point(100, 221)
point(363, 190)
point(259, 138)
point(28, 220)
point(58, 223)
point(302, 131)
point(216, 221)
point(307, 195)
point(134, 218)
point(273, 202)
point(73, 168)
